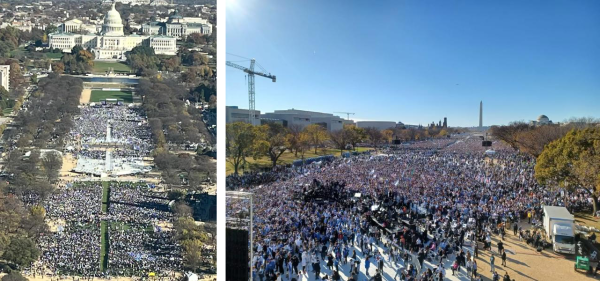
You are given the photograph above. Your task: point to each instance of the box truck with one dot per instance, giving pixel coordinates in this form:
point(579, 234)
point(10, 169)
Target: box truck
point(560, 229)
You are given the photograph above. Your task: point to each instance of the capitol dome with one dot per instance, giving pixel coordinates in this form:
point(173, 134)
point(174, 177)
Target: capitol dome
point(175, 17)
point(543, 118)
point(113, 24)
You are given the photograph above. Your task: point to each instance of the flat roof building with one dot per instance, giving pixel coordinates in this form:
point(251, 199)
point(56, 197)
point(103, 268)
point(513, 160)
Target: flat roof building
point(234, 114)
point(379, 125)
point(303, 118)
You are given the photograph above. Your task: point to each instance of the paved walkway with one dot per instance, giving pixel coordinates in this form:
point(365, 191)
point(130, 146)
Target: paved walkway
point(525, 264)
point(390, 267)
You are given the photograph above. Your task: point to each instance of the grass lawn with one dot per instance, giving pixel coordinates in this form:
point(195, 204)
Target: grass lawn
point(103, 245)
point(18, 51)
point(588, 220)
point(54, 55)
point(103, 66)
point(287, 158)
point(105, 199)
point(98, 95)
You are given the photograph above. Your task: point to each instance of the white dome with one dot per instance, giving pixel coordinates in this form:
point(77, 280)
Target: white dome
point(113, 25)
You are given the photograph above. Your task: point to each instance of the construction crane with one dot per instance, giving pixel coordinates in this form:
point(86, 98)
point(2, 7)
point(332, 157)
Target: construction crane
point(347, 114)
point(251, 93)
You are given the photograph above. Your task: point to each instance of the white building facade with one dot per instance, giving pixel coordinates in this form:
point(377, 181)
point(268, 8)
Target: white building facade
point(112, 44)
point(234, 114)
point(77, 26)
point(541, 120)
point(5, 76)
point(178, 26)
point(379, 125)
point(302, 118)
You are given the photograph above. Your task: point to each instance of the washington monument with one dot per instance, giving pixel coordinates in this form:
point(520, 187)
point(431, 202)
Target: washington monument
point(480, 115)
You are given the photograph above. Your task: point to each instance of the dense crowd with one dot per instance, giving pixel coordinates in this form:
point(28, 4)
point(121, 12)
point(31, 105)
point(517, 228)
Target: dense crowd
point(133, 202)
point(136, 250)
point(73, 246)
point(138, 245)
point(129, 129)
point(428, 201)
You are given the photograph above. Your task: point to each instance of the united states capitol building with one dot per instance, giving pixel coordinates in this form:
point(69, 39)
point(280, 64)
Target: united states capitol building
point(112, 43)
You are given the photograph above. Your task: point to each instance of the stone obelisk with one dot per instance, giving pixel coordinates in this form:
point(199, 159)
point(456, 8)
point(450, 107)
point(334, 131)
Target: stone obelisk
point(108, 162)
point(108, 132)
point(481, 115)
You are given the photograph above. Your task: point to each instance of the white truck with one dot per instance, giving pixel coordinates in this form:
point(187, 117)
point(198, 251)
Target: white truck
point(560, 229)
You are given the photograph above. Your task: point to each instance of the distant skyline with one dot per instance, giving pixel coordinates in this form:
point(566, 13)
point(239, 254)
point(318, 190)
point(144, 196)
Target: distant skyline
point(418, 62)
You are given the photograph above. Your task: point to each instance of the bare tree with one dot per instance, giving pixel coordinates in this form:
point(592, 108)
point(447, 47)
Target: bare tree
point(52, 163)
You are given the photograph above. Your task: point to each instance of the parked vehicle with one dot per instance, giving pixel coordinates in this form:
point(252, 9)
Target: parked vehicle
point(560, 229)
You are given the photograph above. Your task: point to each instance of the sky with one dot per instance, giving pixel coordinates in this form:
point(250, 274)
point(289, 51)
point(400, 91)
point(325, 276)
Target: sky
point(419, 61)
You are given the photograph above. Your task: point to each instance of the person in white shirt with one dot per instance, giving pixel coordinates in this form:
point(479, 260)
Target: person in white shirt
point(305, 261)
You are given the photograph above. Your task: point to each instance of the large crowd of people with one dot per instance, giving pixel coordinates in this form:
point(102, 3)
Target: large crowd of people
point(131, 216)
point(138, 245)
point(129, 129)
point(428, 202)
point(136, 250)
point(133, 202)
point(73, 245)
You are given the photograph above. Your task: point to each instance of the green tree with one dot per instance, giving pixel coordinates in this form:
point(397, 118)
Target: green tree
point(51, 29)
point(16, 77)
point(242, 140)
point(387, 135)
point(13, 275)
point(375, 136)
point(58, 67)
point(573, 162)
point(21, 251)
point(196, 38)
point(52, 163)
point(276, 141)
point(293, 138)
point(4, 94)
point(317, 135)
point(76, 49)
point(192, 254)
point(171, 64)
point(340, 139)
point(302, 144)
point(86, 57)
point(354, 134)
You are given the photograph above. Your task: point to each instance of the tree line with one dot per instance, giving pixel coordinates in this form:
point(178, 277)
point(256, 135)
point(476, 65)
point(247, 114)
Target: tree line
point(21, 226)
point(423, 133)
point(272, 140)
point(79, 61)
point(193, 65)
point(29, 172)
point(531, 139)
point(567, 155)
point(174, 124)
point(198, 241)
point(47, 116)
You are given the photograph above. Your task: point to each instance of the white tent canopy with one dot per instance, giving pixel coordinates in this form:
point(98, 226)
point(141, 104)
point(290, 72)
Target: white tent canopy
point(191, 276)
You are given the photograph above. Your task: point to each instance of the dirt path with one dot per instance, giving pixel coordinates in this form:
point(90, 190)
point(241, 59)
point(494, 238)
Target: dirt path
point(528, 264)
point(85, 96)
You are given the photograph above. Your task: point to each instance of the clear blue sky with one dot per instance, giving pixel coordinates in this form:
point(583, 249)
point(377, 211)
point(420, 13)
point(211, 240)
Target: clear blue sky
point(420, 61)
